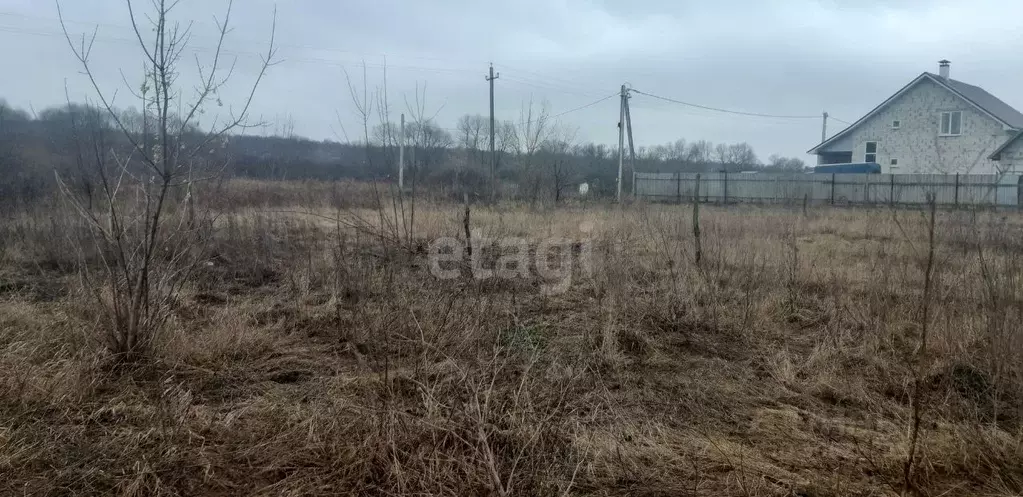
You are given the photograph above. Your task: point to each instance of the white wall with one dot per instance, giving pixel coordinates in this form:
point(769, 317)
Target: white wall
point(917, 144)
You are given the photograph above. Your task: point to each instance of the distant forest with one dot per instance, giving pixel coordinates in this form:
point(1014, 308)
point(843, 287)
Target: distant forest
point(537, 158)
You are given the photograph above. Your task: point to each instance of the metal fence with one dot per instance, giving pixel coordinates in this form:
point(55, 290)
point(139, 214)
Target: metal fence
point(948, 189)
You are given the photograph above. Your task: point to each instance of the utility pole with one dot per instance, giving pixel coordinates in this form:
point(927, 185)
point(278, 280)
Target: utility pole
point(621, 143)
point(628, 129)
point(824, 135)
point(824, 128)
point(493, 154)
point(401, 156)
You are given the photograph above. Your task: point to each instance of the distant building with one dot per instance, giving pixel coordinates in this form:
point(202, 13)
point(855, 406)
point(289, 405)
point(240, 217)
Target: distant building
point(934, 124)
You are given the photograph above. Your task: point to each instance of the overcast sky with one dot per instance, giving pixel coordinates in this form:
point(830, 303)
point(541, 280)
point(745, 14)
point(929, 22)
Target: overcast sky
point(788, 57)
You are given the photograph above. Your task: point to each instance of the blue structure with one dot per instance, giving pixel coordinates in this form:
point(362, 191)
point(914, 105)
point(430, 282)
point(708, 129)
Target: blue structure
point(853, 168)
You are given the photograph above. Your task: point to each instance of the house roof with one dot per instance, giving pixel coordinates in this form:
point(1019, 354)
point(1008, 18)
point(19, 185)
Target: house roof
point(975, 95)
point(981, 98)
point(996, 155)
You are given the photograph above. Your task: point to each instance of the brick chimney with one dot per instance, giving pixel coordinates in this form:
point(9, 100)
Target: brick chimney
point(943, 68)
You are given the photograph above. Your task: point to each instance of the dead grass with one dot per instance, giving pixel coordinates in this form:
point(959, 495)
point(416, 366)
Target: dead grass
point(308, 359)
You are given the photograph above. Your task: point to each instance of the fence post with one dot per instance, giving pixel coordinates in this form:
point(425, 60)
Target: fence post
point(891, 193)
point(1019, 192)
point(832, 188)
point(957, 190)
point(678, 186)
point(724, 200)
point(866, 189)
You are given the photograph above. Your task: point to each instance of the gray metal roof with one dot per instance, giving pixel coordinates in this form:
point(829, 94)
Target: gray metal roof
point(997, 154)
point(976, 95)
point(981, 98)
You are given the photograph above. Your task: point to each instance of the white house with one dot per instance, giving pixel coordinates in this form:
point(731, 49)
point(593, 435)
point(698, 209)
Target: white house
point(934, 124)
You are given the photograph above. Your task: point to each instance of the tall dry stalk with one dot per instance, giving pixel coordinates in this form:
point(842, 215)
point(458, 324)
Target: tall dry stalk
point(697, 249)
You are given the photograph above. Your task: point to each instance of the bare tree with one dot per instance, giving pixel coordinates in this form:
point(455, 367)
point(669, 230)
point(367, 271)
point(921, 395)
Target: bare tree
point(534, 128)
point(472, 132)
point(386, 132)
point(558, 147)
point(560, 178)
point(784, 164)
point(506, 141)
point(429, 142)
point(698, 154)
point(284, 126)
point(737, 156)
point(743, 155)
point(363, 109)
point(145, 230)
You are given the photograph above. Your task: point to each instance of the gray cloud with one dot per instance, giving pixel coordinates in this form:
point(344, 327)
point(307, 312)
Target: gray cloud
point(774, 56)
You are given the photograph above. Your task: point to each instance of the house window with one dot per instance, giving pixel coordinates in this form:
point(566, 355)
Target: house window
point(952, 123)
point(870, 154)
point(896, 124)
point(895, 162)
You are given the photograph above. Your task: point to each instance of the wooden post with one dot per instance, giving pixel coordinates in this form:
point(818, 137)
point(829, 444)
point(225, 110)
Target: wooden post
point(891, 194)
point(832, 188)
point(1019, 192)
point(724, 199)
point(957, 190)
point(468, 232)
point(698, 251)
point(678, 186)
point(866, 189)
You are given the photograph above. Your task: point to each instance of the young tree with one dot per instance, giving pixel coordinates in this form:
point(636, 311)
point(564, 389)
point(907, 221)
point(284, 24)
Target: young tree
point(363, 109)
point(147, 231)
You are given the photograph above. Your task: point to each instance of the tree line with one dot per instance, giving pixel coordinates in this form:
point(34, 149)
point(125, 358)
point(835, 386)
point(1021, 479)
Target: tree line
point(537, 158)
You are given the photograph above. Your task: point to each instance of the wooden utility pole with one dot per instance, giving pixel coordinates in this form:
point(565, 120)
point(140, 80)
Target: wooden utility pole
point(401, 155)
point(621, 142)
point(493, 154)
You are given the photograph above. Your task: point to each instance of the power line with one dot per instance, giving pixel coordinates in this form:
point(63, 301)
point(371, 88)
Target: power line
point(591, 104)
point(727, 111)
point(567, 83)
point(549, 87)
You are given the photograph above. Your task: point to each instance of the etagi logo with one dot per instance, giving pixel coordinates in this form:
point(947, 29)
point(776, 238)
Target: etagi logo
point(553, 260)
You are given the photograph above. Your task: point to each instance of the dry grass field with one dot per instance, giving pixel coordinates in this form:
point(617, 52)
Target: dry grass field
point(313, 352)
